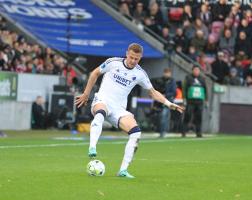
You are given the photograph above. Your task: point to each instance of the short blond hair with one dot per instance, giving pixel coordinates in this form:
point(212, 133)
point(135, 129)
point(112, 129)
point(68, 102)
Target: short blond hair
point(136, 48)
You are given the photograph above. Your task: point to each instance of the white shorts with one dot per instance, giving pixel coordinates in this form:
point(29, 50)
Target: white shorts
point(115, 112)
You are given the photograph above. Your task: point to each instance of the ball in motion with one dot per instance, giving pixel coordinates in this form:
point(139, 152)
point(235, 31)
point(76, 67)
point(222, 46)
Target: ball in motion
point(95, 168)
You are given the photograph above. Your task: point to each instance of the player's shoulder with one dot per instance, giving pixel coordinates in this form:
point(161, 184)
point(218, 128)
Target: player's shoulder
point(140, 70)
point(114, 59)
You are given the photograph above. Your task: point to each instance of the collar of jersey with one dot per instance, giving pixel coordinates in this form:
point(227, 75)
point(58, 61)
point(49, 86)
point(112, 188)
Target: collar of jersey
point(126, 65)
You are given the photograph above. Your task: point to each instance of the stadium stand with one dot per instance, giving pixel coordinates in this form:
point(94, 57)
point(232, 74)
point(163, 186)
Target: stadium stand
point(201, 31)
point(19, 55)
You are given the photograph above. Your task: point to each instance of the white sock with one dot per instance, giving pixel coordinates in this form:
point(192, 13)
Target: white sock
point(130, 150)
point(96, 129)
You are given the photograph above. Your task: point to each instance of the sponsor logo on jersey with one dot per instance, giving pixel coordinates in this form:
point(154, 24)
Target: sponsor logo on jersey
point(121, 80)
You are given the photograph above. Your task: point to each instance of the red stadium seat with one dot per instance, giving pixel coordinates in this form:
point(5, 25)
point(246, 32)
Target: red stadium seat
point(175, 14)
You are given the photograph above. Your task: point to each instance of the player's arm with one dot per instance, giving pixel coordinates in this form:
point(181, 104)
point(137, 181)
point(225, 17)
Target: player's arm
point(157, 96)
point(83, 98)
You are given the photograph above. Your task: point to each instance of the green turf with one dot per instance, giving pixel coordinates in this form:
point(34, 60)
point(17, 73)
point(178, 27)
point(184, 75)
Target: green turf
point(216, 168)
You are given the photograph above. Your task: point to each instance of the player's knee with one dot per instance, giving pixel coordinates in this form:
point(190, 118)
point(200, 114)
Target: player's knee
point(98, 118)
point(101, 111)
point(135, 131)
point(135, 135)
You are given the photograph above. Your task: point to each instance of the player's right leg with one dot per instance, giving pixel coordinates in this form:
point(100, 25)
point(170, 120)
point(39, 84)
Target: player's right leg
point(99, 111)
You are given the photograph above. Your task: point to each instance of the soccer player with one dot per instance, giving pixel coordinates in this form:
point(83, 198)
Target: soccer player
point(120, 77)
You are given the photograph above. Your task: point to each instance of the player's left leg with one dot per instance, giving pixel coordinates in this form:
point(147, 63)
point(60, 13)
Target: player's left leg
point(129, 125)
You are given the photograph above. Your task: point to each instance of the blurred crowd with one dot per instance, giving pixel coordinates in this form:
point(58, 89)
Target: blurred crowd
point(218, 36)
point(21, 56)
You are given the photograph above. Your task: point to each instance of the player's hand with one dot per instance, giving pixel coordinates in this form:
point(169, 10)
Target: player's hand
point(176, 107)
point(81, 100)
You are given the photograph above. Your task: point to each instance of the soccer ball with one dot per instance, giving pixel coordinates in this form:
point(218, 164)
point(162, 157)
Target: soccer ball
point(95, 168)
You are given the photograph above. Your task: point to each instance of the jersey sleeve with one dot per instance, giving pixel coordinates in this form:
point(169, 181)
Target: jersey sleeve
point(106, 66)
point(145, 82)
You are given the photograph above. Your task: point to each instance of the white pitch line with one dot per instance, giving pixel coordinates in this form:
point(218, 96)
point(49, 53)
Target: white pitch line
point(63, 144)
point(194, 162)
point(40, 145)
point(86, 143)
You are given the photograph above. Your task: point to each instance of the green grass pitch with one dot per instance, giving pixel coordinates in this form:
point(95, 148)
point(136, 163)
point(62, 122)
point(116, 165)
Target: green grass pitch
point(34, 166)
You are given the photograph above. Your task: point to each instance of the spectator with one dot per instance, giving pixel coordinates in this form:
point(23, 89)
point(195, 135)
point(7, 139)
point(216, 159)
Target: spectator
point(145, 3)
point(40, 69)
point(3, 61)
point(179, 49)
point(205, 67)
point(131, 4)
point(192, 53)
point(248, 16)
point(36, 51)
point(248, 70)
point(248, 81)
point(198, 41)
point(220, 68)
point(235, 15)
point(6, 37)
point(200, 26)
point(20, 65)
point(241, 56)
point(232, 78)
point(2, 23)
point(211, 46)
point(228, 24)
point(220, 10)
point(154, 28)
point(244, 26)
point(227, 42)
point(49, 68)
point(69, 73)
point(139, 13)
point(124, 8)
point(9, 52)
point(38, 64)
point(195, 6)
point(181, 40)
point(38, 114)
point(204, 14)
point(30, 68)
point(243, 44)
point(155, 15)
point(187, 14)
point(188, 29)
point(169, 43)
point(239, 68)
point(48, 54)
point(166, 33)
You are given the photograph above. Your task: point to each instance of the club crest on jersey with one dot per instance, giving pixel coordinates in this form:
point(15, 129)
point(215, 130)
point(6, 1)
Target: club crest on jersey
point(133, 78)
point(103, 65)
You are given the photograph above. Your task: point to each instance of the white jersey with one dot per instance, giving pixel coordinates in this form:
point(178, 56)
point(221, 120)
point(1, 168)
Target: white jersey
point(119, 80)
